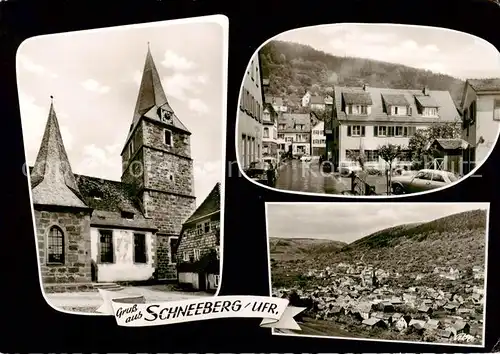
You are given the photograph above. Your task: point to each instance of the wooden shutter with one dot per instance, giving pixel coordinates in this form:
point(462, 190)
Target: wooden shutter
point(375, 130)
point(348, 130)
point(362, 130)
point(405, 131)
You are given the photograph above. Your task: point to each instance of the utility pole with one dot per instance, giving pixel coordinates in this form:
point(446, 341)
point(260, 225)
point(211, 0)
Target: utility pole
point(310, 134)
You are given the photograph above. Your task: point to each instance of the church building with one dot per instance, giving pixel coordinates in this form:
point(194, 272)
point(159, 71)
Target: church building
point(94, 230)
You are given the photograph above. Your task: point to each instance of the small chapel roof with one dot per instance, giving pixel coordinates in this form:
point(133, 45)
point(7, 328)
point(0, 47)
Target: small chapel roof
point(52, 180)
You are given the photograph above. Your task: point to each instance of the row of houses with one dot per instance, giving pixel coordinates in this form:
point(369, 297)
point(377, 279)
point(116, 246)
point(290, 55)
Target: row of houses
point(145, 227)
point(293, 103)
point(364, 118)
point(269, 127)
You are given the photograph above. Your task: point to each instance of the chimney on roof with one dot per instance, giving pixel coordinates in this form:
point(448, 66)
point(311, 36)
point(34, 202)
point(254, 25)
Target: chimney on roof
point(425, 91)
point(365, 87)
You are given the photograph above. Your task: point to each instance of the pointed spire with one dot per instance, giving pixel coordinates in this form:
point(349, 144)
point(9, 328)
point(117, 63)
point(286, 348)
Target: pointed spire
point(152, 97)
point(151, 92)
point(52, 179)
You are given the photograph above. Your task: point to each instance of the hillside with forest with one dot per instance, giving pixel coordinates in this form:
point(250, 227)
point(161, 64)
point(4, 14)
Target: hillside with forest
point(295, 68)
point(296, 248)
point(456, 241)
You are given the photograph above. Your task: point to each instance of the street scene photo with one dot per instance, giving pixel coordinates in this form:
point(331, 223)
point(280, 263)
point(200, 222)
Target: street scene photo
point(407, 272)
point(368, 109)
point(124, 137)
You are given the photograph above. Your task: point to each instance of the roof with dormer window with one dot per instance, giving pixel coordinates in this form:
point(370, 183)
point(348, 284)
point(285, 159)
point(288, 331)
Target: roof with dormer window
point(447, 111)
point(395, 100)
point(361, 98)
point(426, 101)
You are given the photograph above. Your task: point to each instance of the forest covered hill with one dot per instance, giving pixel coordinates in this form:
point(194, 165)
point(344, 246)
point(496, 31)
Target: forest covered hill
point(457, 241)
point(293, 69)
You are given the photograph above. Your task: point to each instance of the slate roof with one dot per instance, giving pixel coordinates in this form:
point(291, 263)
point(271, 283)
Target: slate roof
point(480, 85)
point(52, 180)
point(447, 110)
point(394, 100)
point(451, 144)
point(317, 100)
point(371, 321)
point(426, 101)
point(278, 101)
point(210, 205)
point(292, 119)
point(151, 98)
point(109, 199)
point(357, 98)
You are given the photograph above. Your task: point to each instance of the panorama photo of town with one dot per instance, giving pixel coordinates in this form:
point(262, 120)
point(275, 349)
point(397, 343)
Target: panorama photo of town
point(382, 271)
point(125, 188)
point(368, 109)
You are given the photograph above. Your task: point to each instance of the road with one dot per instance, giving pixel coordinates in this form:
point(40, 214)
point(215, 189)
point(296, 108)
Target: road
point(296, 175)
point(90, 301)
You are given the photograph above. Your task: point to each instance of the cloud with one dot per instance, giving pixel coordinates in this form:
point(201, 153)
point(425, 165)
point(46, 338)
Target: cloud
point(176, 62)
point(67, 137)
point(198, 106)
point(206, 175)
point(137, 77)
point(103, 162)
point(94, 86)
point(28, 65)
point(180, 85)
point(34, 120)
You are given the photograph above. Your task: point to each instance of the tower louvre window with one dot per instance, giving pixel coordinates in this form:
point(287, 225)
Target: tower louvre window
point(168, 137)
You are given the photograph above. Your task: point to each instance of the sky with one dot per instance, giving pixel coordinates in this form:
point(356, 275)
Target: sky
point(94, 77)
point(440, 50)
point(348, 222)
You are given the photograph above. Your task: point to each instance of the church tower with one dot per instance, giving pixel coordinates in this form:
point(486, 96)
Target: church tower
point(156, 161)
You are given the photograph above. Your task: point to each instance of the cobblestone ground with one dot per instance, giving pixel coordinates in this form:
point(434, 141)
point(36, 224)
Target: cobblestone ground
point(89, 302)
point(301, 176)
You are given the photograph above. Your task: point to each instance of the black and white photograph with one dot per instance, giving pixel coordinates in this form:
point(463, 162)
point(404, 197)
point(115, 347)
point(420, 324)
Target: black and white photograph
point(403, 272)
point(368, 109)
point(124, 135)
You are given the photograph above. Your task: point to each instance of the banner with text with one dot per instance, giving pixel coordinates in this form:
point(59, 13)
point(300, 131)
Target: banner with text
point(134, 311)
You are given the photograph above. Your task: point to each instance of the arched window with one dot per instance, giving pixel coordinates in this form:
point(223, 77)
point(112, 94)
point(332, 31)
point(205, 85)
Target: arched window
point(266, 132)
point(55, 249)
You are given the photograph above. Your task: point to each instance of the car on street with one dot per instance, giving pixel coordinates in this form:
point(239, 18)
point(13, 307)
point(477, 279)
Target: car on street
point(306, 158)
point(263, 173)
point(347, 168)
point(421, 181)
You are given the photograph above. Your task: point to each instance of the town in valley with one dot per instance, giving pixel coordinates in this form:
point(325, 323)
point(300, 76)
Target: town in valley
point(411, 282)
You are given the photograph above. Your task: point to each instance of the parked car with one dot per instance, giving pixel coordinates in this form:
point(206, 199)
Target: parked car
point(347, 168)
point(273, 164)
point(306, 158)
point(422, 181)
point(262, 172)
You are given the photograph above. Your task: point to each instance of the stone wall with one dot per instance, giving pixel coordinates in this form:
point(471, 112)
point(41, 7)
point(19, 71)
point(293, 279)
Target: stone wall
point(133, 166)
point(164, 269)
point(154, 136)
point(168, 211)
point(167, 172)
point(206, 242)
point(77, 260)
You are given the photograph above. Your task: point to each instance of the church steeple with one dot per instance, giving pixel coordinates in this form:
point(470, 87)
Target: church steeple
point(152, 102)
point(52, 180)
